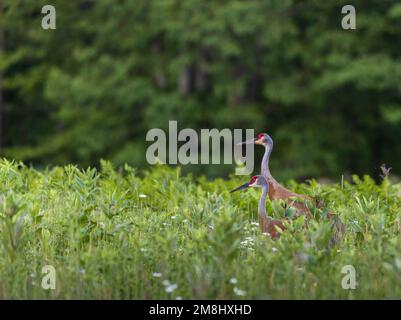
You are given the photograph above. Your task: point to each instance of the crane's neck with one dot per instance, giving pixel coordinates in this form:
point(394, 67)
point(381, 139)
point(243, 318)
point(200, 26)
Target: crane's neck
point(262, 203)
point(265, 170)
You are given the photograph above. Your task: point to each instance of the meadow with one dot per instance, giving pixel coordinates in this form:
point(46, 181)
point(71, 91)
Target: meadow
point(121, 234)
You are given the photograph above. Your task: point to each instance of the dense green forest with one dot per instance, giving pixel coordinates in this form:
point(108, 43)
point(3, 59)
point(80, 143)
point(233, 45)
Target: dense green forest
point(112, 70)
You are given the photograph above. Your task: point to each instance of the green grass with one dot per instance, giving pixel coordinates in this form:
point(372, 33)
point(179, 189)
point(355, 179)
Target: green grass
point(107, 240)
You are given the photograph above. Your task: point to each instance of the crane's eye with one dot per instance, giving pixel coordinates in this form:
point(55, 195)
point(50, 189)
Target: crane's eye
point(253, 179)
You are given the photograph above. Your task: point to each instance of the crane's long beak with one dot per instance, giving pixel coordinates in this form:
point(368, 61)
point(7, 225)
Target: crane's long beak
point(250, 141)
point(244, 186)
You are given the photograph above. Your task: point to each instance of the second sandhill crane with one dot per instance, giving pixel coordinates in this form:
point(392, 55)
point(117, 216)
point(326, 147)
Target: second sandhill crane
point(273, 227)
point(267, 224)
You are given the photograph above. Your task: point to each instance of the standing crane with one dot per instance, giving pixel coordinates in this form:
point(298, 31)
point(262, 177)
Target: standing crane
point(267, 224)
point(276, 190)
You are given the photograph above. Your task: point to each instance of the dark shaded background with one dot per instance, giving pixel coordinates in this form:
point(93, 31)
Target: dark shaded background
point(112, 70)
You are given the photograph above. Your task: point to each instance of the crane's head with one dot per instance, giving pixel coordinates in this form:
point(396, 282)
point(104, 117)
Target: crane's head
point(262, 138)
point(255, 182)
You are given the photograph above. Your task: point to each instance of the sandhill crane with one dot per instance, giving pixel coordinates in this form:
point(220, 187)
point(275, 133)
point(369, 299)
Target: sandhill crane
point(272, 227)
point(267, 224)
point(276, 190)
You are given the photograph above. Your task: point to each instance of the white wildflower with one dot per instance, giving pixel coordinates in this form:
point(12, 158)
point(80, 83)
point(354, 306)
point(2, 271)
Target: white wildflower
point(166, 283)
point(142, 196)
point(239, 292)
point(274, 249)
point(157, 274)
point(233, 281)
point(178, 298)
point(171, 287)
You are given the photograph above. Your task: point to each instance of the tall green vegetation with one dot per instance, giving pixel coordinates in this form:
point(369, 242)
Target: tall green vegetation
point(116, 235)
point(112, 70)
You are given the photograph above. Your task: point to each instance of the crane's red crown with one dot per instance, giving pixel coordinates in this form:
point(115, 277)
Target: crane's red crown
point(261, 135)
point(253, 179)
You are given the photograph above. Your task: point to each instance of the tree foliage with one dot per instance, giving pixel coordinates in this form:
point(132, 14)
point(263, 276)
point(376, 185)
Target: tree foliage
point(112, 70)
